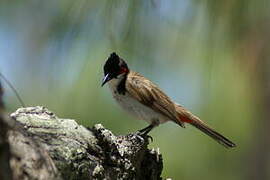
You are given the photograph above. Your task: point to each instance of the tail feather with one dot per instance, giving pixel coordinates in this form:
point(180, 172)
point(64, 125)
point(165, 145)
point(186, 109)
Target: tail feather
point(188, 117)
point(213, 134)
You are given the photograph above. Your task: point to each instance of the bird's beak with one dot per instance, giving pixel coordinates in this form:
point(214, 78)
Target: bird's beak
point(106, 79)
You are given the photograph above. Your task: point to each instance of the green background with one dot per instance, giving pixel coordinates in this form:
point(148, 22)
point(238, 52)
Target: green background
point(210, 56)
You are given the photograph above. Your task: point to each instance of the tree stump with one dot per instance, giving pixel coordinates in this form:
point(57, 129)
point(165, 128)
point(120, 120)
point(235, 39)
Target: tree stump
point(43, 146)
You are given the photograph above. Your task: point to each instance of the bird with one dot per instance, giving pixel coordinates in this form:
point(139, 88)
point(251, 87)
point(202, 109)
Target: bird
point(144, 100)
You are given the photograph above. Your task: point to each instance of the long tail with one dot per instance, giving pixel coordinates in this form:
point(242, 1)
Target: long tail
point(188, 117)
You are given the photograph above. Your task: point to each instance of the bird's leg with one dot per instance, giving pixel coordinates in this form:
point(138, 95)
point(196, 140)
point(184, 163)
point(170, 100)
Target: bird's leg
point(146, 130)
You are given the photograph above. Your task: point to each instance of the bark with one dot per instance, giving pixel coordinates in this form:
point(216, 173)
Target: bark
point(5, 170)
point(5, 155)
point(43, 146)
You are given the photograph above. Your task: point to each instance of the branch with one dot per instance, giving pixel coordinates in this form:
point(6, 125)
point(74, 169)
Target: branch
point(47, 147)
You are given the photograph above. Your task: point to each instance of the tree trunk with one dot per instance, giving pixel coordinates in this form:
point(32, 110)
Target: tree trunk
point(43, 146)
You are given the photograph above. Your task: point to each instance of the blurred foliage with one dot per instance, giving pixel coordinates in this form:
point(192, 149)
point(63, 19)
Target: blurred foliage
point(210, 56)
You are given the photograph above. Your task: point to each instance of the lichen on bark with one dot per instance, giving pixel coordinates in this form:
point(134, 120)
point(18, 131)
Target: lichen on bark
point(76, 152)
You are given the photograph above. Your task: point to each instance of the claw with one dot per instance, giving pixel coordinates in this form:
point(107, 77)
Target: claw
point(149, 137)
point(145, 135)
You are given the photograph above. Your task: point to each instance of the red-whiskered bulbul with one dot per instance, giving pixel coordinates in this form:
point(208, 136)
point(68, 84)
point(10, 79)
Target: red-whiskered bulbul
point(143, 99)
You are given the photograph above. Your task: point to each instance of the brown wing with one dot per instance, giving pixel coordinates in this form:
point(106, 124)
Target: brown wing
point(150, 95)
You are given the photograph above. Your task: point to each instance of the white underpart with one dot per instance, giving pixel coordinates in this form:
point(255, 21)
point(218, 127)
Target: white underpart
point(134, 107)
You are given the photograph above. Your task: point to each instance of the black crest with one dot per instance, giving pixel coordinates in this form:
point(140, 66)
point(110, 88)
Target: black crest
point(113, 65)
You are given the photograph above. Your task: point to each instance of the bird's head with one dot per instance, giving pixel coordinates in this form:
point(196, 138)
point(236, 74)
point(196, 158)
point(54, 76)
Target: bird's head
point(114, 68)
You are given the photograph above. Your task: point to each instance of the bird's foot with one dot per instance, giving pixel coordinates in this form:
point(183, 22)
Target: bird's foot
point(148, 137)
point(144, 132)
point(144, 135)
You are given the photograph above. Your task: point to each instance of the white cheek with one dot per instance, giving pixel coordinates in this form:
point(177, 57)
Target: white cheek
point(113, 82)
point(121, 76)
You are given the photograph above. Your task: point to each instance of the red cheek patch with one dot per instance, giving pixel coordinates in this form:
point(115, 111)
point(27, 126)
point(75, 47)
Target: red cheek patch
point(123, 70)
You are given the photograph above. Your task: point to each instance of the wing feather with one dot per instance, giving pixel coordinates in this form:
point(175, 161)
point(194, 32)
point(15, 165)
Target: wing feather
point(150, 95)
